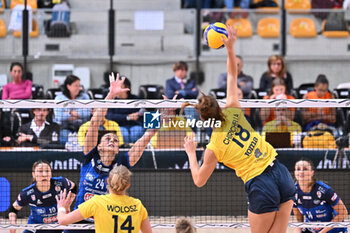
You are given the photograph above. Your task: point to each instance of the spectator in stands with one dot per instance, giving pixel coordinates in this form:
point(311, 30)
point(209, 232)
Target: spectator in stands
point(281, 124)
point(316, 201)
point(277, 69)
point(242, 4)
point(129, 119)
point(246, 111)
point(278, 91)
point(184, 225)
point(9, 125)
point(325, 4)
point(314, 116)
point(18, 88)
point(178, 85)
point(192, 3)
point(38, 132)
point(107, 125)
point(245, 82)
point(70, 119)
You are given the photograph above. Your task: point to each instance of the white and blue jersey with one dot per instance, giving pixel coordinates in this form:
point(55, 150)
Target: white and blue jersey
point(317, 205)
point(43, 206)
point(94, 174)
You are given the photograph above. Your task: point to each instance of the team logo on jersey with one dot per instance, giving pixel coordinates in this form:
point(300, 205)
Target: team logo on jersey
point(39, 202)
point(40, 211)
point(89, 177)
point(316, 202)
point(57, 188)
point(33, 197)
point(318, 193)
point(334, 197)
point(30, 191)
point(257, 153)
point(88, 196)
point(322, 190)
point(47, 195)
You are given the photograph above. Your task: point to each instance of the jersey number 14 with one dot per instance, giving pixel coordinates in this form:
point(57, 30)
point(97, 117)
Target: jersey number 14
point(126, 225)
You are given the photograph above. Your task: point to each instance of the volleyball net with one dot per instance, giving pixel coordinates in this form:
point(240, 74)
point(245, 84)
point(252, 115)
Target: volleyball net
point(315, 129)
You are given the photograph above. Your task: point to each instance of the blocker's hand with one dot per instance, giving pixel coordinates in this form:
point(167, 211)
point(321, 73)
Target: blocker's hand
point(116, 85)
point(64, 200)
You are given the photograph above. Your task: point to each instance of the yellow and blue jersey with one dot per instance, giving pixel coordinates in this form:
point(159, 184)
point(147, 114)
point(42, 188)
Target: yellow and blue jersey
point(114, 213)
point(238, 146)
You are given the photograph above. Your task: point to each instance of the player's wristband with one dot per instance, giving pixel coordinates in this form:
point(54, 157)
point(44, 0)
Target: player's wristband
point(61, 209)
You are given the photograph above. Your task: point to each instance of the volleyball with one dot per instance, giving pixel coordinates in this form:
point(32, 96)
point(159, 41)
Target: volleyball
point(213, 33)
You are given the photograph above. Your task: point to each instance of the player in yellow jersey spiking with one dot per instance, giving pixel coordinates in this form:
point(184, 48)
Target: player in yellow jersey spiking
point(269, 186)
point(113, 212)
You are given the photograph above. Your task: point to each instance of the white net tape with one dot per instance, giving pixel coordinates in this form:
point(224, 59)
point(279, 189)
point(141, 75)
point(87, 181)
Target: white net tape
point(245, 103)
point(167, 226)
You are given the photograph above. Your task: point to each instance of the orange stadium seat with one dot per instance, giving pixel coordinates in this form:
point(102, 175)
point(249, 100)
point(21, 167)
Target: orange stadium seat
point(303, 27)
point(269, 27)
point(291, 5)
point(334, 34)
point(243, 26)
point(33, 33)
point(3, 30)
point(32, 3)
point(2, 6)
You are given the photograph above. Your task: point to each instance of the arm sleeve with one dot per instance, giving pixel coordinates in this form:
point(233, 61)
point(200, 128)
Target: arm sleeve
point(169, 89)
point(88, 208)
point(88, 156)
point(192, 94)
point(5, 93)
point(22, 199)
point(144, 213)
point(331, 197)
point(289, 82)
point(262, 82)
point(123, 159)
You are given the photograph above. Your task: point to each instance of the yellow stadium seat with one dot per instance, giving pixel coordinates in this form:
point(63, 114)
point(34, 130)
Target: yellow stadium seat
point(3, 30)
point(291, 5)
point(243, 26)
point(333, 34)
point(2, 6)
point(303, 27)
point(268, 10)
point(32, 3)
point(33, 33)
point(269, 27)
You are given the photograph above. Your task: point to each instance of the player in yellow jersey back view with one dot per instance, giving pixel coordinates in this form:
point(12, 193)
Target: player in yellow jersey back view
point(269, 185)
point(113, 212)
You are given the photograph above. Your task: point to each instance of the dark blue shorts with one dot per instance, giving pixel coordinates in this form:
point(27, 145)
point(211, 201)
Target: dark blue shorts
point(271, 188)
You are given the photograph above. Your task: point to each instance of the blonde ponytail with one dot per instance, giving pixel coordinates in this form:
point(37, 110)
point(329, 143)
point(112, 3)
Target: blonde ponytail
point(184, 225)
point(119, 178)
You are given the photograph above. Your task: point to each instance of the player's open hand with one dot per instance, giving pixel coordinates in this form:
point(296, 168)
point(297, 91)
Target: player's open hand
point(116, 85)
point(232, 37)
point(190, 145)
point(64, 200)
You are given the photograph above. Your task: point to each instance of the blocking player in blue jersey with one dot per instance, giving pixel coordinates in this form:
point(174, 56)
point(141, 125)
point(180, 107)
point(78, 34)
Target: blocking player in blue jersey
point(101, 156)
point(315, 201)
point(41, 197)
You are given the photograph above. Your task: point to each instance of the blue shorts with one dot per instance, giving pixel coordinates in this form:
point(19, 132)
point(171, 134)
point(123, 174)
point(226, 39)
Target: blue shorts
point(269, 189)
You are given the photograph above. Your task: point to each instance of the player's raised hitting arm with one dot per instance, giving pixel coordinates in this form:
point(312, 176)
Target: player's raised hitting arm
point(99, 115)
point(232, 92)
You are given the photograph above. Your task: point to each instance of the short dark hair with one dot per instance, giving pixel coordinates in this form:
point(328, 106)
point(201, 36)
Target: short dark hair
point(127, 84)
point(13, 64)
point(180, 65)
point(321, 79)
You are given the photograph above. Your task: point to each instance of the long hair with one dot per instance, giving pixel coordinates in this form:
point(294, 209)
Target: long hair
point(277, 82)
point(184, 225)
point(119, 178)
point(207, 108)
point(68, 81)
point(274, 58)
point(312, 165)
point(13, 64)
point(37, 163)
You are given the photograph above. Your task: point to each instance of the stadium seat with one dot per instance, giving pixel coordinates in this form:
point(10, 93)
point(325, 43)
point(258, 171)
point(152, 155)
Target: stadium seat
point(303, 89)
point(267, 9)
point(2, 6)
point(97, 93)
point(3, 30)
point(151, 91)
point(342, 93)
point(303, 27)
point(33, 33)
point(343, 85)
point(269, 27)
point(37, 91)
point(24, 115)
point(243, 26)
point(334, 34)
point(219, 93)
point(51, 93)
point(291, 5)
point(258, 93)
point(32, 3)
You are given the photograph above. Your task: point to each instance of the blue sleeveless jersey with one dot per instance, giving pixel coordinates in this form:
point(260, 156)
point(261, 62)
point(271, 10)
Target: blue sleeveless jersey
point(94, 174)
point(317, 206)
point(43, 206)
